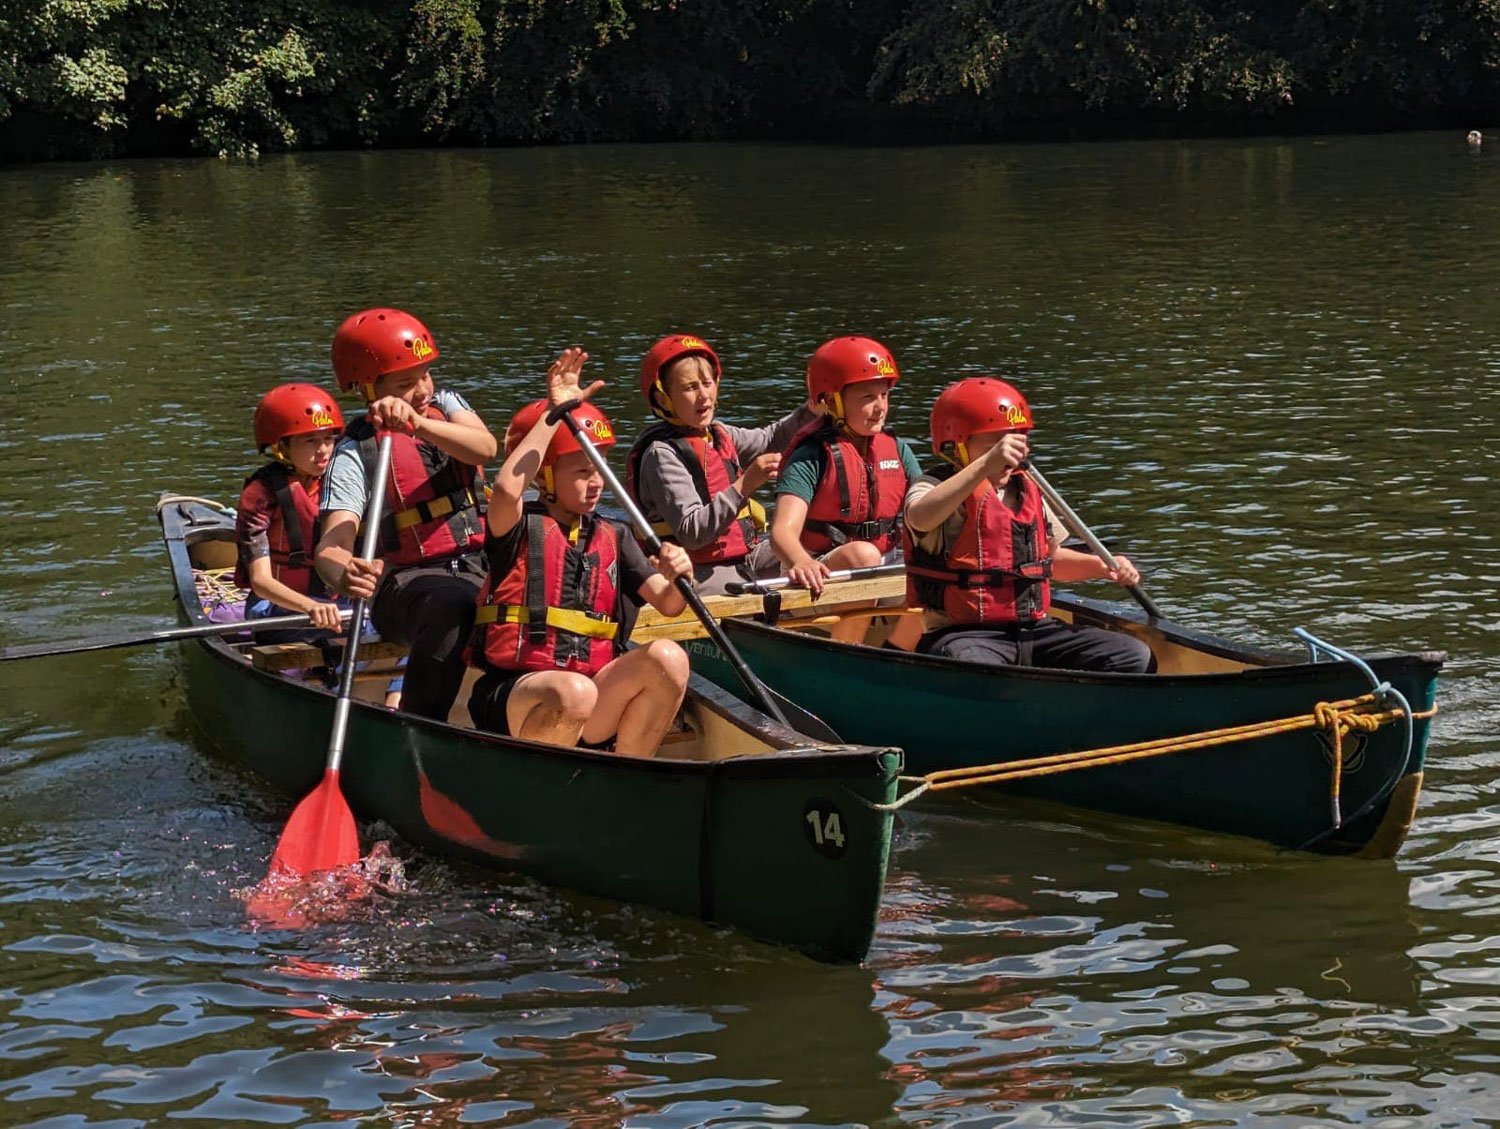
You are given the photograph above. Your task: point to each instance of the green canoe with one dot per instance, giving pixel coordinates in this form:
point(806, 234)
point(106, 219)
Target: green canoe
point(736, 820)
point(948, 714)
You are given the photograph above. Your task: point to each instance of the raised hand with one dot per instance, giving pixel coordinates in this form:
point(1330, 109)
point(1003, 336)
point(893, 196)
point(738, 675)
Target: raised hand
point(564, 378)
point(391, 413)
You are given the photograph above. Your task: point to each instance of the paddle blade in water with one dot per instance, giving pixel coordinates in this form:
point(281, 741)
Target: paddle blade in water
point(320, 835)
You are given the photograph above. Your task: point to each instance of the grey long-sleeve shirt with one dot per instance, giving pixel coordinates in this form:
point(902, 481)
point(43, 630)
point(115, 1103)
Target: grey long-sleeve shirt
point(667, 493)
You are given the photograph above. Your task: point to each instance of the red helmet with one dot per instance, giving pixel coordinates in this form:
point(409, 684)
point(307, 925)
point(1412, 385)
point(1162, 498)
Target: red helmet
point(375, 343)
point(663, 353)
point(972, 407)
point(294, 409)
point(590, 419)
point(848, 360)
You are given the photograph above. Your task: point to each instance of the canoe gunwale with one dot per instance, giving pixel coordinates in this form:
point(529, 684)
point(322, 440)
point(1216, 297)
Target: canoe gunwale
point(1286, 668)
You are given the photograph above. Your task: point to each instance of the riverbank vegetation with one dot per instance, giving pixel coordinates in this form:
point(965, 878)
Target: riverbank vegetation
point(90, 78)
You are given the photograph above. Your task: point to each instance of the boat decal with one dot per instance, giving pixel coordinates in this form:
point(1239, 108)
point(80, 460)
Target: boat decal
point(824, 825)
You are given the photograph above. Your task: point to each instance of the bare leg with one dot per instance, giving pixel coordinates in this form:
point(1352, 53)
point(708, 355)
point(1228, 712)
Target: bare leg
point(639, 693)
point(906, 633)
point(550, 706)
point(852, 554)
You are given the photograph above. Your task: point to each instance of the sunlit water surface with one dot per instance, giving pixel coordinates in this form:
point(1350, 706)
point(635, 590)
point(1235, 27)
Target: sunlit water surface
point(1261, 369)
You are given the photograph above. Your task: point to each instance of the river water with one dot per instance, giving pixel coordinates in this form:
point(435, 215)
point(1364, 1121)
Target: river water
point(1262, 369)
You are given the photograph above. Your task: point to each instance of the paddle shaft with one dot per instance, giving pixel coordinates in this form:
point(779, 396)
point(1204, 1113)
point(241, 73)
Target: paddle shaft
point(776, 583)
point(1078, 529)
point(368, 540)
point(652, 542)
point(166, 635)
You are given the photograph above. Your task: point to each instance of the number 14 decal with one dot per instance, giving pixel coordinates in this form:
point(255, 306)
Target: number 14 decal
point(826, 829)
point(824, 825)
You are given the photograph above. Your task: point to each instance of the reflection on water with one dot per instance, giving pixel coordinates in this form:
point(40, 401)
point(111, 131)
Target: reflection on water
point(1262, 369)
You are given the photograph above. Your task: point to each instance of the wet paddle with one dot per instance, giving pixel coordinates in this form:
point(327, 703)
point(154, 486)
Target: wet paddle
point(321, 834)
point(166, 635)
point(778, 707)
point(1078, 529)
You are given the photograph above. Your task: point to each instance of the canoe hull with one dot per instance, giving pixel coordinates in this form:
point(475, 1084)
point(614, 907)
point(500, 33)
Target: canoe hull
point(730, 841)
point(947, 714)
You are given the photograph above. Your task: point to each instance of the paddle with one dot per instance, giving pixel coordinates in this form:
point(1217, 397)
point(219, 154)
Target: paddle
point(1078, 529)
point(321, 834)
point(166, 635)
point(775, 583)
point(772, 703)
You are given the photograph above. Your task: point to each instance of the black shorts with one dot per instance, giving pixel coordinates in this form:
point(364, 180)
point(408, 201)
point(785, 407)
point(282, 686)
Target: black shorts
point(490, 697)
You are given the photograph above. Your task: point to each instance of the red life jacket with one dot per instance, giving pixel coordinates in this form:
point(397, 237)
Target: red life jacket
point(861, 493)
point(714, 462)
point(996, 571)
point(292, 542)
point(556, 605)
point(432, 499)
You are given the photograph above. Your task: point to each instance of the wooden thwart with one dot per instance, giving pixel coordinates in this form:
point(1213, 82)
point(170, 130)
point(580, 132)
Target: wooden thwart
point(304, 656)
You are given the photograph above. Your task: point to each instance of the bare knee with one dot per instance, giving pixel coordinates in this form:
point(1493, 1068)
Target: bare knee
point(571, 696)
point(858, 554)
point(670, 659)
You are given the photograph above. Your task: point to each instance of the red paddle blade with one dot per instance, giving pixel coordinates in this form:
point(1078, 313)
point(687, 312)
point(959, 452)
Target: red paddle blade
point(320, 835)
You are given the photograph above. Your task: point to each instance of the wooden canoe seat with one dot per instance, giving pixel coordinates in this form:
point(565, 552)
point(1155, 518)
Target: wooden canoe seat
point(303, 656)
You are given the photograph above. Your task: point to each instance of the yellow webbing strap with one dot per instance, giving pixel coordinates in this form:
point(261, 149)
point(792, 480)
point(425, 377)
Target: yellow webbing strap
point(564, 619)
point(426, 511)
point(755, 512)
point(1338, 719)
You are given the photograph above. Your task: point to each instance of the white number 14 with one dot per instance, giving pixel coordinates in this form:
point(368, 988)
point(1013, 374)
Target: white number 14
point(826, 829)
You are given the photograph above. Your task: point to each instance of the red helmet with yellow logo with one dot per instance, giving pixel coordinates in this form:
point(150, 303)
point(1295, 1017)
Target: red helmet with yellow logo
point(294, 409)
point(376, 343)
point(848, 360)
point(972, 407)
point(595, 425)
point(663, 353)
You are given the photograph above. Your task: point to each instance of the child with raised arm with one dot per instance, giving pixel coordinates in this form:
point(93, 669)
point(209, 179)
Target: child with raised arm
point(557, 609)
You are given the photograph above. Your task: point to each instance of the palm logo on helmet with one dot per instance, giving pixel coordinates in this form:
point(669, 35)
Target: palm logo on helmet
point(975, 406)
point(376, 343)
point(590, 419)
point(843, 361)
point(293, 409)
point(671, 348)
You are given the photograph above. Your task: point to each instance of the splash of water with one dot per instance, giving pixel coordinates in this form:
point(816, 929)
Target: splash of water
point(285, 900)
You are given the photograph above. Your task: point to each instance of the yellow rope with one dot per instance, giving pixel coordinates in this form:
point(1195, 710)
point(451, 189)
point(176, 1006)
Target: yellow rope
point(216, 585)
point(1338, 718)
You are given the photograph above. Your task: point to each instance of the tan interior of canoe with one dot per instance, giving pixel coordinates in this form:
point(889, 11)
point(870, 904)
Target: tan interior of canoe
point(700, 733)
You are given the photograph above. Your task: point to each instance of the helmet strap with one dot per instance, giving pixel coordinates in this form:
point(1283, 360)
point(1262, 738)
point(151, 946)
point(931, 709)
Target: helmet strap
point(661, 404)
point(278, 452)
point(368, 390)
point(549, 487)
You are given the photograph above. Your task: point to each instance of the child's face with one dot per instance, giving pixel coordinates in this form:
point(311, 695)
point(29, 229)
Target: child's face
point(691, 390)
point(414, 386)
point(576, 483)
point(866, 404)
point(310, 454)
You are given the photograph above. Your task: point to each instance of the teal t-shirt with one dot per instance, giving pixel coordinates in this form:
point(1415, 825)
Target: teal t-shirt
point(803, 469)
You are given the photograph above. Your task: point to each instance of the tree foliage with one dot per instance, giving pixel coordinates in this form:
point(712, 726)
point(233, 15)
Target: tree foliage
point(95, 77)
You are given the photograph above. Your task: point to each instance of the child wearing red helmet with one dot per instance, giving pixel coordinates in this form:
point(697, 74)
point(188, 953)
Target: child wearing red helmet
point(693, 476)
point(982, 547)
point(276, 520)
point(431, 563)
point(556, 611)
point(838, 500)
